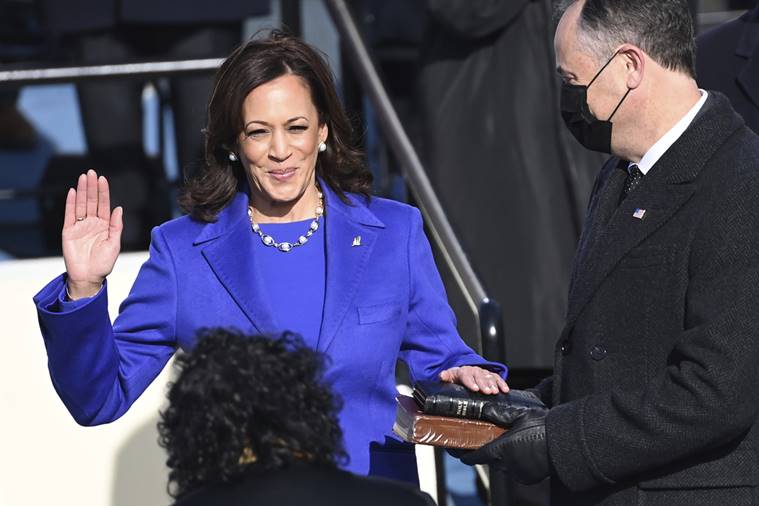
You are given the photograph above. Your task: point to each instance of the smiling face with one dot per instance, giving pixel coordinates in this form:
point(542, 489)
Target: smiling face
point(279, 145)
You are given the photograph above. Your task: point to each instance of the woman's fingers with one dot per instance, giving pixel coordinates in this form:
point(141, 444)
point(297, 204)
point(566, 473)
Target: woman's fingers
point(447, 375)
point(468, 379)
point(463, 376)
point(487, 381)
point(91, 198)
point(81, 198)
point(476, 379)
point(92, 193)
point(104, 199)
point(69, 214)
point(116, 225)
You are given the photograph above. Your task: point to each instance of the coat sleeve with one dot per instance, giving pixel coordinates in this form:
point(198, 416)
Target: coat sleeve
point(432, 343)
point(705, 396)
point(544, 391)
point(99, 369)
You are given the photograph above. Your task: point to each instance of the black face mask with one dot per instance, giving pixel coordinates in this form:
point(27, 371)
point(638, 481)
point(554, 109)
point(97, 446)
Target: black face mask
point(592, 133)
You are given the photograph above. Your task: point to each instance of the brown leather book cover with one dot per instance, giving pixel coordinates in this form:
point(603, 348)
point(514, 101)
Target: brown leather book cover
point(416, 427)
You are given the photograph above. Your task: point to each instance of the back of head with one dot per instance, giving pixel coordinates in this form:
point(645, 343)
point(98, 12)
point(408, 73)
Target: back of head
point(661, 28)
point(246, 404)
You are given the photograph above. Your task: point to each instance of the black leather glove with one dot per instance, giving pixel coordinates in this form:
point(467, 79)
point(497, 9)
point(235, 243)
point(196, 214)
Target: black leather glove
point(522, 450)
point(505, 414)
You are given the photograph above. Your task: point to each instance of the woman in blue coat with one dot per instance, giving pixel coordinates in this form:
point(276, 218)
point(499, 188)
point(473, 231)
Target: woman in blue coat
point(281, 234)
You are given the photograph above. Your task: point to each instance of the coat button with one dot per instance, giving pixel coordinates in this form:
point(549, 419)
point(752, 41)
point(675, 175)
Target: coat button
point(598, 353)
point(566, 347)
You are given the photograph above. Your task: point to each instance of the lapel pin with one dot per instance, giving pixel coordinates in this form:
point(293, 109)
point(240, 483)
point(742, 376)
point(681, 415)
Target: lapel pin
point(639, 214)
point(357, 241)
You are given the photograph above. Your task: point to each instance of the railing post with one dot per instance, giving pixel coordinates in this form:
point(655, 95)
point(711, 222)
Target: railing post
point(501, 488)
point(491, 331)
point(291, 16)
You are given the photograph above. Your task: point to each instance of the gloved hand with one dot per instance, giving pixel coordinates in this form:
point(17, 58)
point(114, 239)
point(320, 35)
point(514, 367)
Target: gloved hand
point(504, 415)
point(522, 450)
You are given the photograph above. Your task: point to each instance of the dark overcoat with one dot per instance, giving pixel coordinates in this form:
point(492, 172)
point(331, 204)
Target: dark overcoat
point(655, 391)
point(728, 61)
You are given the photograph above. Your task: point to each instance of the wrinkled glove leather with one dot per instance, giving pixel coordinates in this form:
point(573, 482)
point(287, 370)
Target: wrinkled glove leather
point(505, 415)
point(522, 450)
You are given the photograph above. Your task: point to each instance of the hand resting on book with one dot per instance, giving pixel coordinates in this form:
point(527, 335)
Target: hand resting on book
point(475, 379)
point(444, 399)
point(522, 450)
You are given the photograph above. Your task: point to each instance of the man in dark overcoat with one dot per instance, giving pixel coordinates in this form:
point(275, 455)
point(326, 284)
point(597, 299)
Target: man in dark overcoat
point(654, 397)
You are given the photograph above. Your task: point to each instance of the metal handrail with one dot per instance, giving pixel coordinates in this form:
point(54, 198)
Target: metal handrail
point(413, 171)
point(437, 222)
point(20, 77)
point(486, 311)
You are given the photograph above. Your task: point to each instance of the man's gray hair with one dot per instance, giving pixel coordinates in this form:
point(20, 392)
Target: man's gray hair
point(661, 28)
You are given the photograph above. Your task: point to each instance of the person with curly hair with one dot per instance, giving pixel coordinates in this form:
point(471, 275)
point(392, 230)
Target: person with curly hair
point(251, 421)
point(281, 234)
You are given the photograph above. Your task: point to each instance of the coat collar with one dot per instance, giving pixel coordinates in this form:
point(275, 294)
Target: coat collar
point(228, 247)
point(231, 217)
point(748, 47)
point(614, 230)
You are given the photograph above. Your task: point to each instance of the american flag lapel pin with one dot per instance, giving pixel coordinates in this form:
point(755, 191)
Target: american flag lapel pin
point(639, 214)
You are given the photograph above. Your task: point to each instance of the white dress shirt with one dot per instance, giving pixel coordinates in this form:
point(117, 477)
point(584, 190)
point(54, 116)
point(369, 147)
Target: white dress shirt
point(662, 145)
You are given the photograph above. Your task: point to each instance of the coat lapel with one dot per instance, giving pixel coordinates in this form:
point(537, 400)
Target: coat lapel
point(346, 263)
point(623, 232)
point(230, 252)
point(667, 187)
point(605, 206)
point(605, 196)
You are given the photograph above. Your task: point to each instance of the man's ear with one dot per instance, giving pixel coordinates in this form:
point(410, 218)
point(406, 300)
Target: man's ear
point(635, 62)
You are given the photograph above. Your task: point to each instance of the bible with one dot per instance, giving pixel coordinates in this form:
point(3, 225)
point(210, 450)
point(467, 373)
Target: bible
point(453, 400)
point(414, 426)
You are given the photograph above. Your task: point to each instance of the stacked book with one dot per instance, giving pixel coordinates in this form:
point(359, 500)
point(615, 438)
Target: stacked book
point(451, 416)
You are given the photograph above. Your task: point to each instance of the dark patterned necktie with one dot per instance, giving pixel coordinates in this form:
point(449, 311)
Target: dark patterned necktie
point(634, 177)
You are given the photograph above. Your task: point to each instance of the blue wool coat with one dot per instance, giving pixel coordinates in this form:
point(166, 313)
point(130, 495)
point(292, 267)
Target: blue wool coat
point(384, 300)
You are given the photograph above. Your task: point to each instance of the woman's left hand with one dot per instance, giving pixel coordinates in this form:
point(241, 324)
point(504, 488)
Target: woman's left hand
point(475, 379)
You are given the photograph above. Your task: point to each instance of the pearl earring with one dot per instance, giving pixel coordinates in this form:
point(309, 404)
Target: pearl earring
point(322, 147)
point(232, 157)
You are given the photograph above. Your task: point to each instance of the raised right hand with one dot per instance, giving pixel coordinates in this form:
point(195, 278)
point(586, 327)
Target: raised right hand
point(91, 235)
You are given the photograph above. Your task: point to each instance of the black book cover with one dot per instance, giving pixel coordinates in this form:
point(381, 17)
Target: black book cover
point(450, 399)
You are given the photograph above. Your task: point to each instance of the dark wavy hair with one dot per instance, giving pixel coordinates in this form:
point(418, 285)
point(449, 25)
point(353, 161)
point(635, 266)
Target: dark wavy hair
point(662, 28)
point(252, 64)
point(238, 395)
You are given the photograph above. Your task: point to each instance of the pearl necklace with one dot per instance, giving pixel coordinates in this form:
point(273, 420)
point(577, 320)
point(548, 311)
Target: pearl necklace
point(286, 247)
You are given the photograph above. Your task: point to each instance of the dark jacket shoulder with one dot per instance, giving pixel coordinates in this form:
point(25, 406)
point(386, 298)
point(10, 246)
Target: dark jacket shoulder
point(305, 484)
